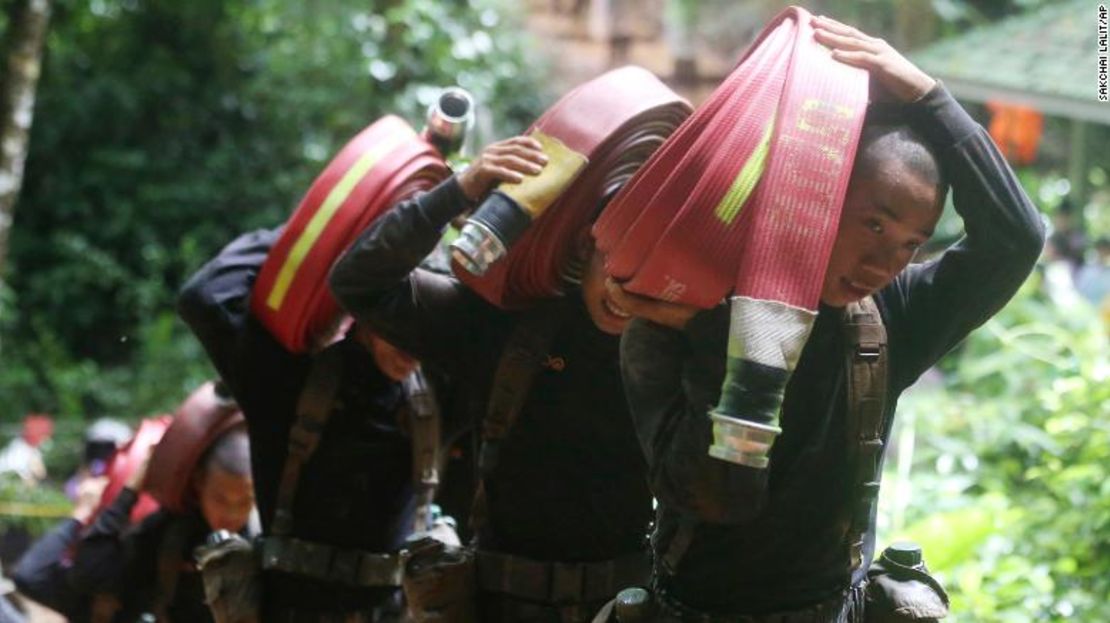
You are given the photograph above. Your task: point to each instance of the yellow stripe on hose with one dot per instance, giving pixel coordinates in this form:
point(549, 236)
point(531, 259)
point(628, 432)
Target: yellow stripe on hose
point(328, 208)
point(745, 182)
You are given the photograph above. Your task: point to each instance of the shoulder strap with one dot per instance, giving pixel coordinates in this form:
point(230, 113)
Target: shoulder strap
point(170, 559)
point(866, 365)
point(314, 407)
point(424, 429)
point(523, 356)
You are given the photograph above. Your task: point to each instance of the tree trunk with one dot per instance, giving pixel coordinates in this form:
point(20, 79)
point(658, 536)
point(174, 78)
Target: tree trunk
point(26, 34)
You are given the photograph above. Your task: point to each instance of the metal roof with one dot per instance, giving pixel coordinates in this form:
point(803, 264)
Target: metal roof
point(1046, 58)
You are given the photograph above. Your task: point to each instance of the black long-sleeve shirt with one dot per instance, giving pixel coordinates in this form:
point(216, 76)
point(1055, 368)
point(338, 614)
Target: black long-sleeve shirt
point(570, 481)
point(43, 572)
point(768, 540)
point(356, 490)
point(123, 560)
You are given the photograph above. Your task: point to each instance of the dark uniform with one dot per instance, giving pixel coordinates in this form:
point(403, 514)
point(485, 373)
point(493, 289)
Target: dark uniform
point(567, 503)
point(128, 563)
point(775, 540)
point(355, 493)
point(43, 572)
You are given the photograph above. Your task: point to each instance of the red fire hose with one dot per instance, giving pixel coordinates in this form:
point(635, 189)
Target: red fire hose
point(745, 198)
point(126, 460)
point(383, 165)
point(615, 121)
point(197, 423)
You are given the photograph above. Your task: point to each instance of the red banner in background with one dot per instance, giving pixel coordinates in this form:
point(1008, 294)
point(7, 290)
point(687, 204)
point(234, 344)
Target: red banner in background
point(1016, 130)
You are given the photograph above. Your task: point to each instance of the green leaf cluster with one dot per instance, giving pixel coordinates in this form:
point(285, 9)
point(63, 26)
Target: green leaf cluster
point(165, 128)
point(1011, 467)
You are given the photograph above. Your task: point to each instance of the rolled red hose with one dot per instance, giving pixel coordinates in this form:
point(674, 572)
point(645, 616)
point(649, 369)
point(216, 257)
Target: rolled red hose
point(745, 199)
point(383, 165)
point(617, 121)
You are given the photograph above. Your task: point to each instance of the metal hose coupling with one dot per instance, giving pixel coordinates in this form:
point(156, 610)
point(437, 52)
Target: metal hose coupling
point(449, 120)
point(508, 211)
point(765, 341)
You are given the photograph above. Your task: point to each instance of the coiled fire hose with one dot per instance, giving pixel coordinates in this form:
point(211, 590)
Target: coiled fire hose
point(383, 165)
point(745, 199)
point(596, 137)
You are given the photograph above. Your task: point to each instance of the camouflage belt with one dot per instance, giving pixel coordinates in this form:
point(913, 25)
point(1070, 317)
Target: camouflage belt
point(332, 564)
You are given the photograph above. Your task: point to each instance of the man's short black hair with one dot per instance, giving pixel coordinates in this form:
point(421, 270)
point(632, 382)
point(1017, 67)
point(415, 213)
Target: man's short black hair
point(887, 135)
point(231, 452)
point(882, 142)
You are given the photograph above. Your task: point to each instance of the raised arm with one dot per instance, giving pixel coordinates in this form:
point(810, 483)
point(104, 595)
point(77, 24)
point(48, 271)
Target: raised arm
point(932, 306)
point(378, 279)
point(107, 547)
point(41, 574)
point(100, 559)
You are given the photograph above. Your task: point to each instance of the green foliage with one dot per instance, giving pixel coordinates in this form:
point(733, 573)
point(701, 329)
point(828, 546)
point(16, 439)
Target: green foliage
point(165, 128)
point(34, 509)
point(1010, 482)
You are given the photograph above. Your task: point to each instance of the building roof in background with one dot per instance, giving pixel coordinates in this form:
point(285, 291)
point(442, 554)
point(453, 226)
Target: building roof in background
point(1046, 58)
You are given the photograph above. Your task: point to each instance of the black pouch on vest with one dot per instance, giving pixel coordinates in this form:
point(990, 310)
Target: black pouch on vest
point(440, 582)
point(900, 588)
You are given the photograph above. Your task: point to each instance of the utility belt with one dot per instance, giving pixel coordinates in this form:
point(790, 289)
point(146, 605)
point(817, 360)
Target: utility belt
point(898, 589)
point(327, 563)
point(442, 583)
point(638, 605)
point(231, 568)
point(298, 616)
point(559, 582)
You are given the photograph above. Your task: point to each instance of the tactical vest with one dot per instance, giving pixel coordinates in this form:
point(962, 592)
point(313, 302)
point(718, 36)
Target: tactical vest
point(865, 364)
point(569, 586)
point(356, 568)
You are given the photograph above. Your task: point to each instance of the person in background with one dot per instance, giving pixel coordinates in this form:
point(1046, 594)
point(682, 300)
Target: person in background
point(1093, 279)
point(23, 455)
point(1068, 236)
point(102, 438)
point(43, 572)
point(148, 568)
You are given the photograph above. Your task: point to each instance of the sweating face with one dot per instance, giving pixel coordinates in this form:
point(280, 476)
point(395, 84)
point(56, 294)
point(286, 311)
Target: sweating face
point(226, 499)
point(603, 311)
point(889, 212)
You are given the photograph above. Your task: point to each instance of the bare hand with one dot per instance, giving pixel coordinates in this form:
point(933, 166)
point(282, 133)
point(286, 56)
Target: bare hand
point(89, 492)
point(887, 66)
point(674, 315)
point(135, 482)
point(504, 161)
